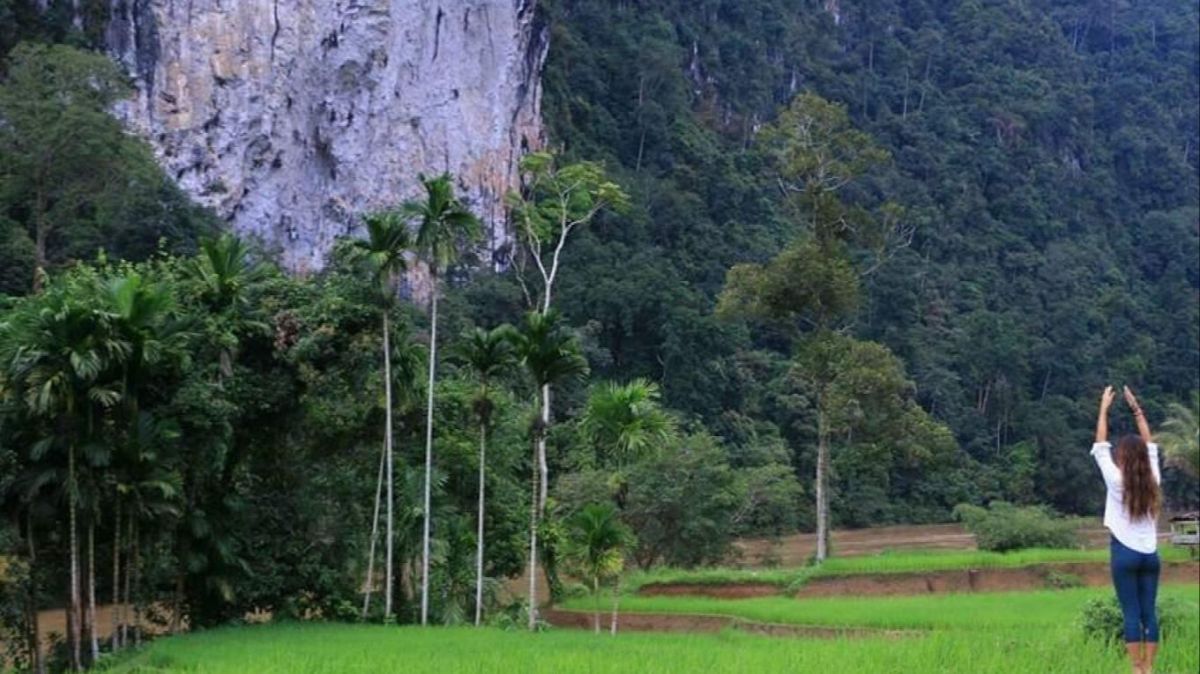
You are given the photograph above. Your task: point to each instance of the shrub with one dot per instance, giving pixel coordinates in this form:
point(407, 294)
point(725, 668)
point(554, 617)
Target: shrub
point(1101, 619)
point(1059, 580)
point(1003, 526)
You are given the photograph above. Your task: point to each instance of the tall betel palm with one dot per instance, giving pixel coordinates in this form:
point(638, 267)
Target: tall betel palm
point(487, 353)
point(57, 347)
point(445, 228)
point(1180, 435)
point(550, 355)
point(385, 249)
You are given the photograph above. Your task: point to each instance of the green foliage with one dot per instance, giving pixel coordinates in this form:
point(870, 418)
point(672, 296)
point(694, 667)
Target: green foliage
point(445, 226)
point(1002, 527)
point(1101, 619)
point(1180, 435)
point(1044, 154)
point(626, 422)
point(72, 181)
point(1061, 581)
point(596, 544)
point(681, 504)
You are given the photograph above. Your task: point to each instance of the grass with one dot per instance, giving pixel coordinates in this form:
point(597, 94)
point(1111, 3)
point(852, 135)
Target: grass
point(988, 633)
point(351, 649)
point(1043, 609)
point(909, 561)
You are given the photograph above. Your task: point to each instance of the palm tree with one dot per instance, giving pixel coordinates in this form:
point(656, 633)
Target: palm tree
point(385, 249)
point(487, 353)
point(58, 347)
point(597, 540)
point(445, 226)
point(626, 421)
point(1180, 435)
point(405, 361)
point(142, 314)
point(550, 355)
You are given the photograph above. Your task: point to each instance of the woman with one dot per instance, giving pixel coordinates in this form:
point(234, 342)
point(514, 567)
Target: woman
point(1130, 514)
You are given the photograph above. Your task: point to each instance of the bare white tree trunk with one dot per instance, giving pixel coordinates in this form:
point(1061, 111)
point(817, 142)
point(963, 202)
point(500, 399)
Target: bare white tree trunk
point(374, 535)
point(533, 525)
point(116, 589)
point(479, 524)
point(428, 457)
point(128, 579)
point(616, 603)
point(596, 604)
point(137, 586)
point(822, 495)
point(543, 468)
point(387, 441)
point(91, 607)
point(73, 610)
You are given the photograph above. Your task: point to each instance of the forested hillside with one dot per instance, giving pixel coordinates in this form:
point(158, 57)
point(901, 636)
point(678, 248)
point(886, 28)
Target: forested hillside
point(785, 265)
point(1044, 153)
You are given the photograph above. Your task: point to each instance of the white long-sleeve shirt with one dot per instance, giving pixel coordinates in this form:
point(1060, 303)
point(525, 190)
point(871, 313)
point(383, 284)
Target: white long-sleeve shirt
point(1140, 534)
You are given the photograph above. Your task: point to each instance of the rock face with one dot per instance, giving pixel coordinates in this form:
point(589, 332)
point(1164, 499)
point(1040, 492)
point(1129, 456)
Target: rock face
point(292, 117)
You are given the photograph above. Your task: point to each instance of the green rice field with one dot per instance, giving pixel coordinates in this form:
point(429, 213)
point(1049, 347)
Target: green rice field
point(998, 633)
point(908, 561)
point(1043, 609)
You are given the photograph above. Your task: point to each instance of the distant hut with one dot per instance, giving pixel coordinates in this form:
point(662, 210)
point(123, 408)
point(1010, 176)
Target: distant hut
point(1185, 530)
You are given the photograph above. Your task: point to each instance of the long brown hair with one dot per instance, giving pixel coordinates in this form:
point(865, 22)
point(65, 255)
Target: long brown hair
point(1141, 493)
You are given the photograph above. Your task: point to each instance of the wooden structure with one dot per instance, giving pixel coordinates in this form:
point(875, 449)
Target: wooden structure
point(1185, 530)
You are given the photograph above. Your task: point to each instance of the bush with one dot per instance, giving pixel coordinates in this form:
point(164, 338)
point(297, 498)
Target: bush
point(1058, 580)
point(1003, 526)
point(1101, 619)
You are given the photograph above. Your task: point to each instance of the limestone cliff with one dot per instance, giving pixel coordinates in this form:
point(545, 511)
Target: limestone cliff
point(291, 117)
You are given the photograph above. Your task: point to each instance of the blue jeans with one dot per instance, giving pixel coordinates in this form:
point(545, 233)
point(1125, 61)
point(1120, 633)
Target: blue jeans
point(1135, 576)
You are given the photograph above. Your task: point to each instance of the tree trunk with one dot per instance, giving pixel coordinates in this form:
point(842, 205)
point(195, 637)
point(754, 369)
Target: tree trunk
point(428, 457)
point(91, 607)
point(533, 524)
point(128, 580)
point(73, 612)
point(35, 635)
point(116, 588)
point(41, 230)
point(387, 441)
point(616, 603)
point(374, 535)
point(543, 468)
point(134, 599)
point(479, 525)
point(596, 604)
point(822, 496)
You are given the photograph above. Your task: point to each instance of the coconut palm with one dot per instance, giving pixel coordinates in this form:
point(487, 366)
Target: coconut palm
point(445, 226)
point(1180, 435)
point(596, 544)
point(487, 353)
point(550, 355)
point(386, 250)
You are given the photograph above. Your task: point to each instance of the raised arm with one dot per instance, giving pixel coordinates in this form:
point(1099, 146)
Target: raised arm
point(1144, 430)
point(1106, 400)
point(1102, 451)
point(1138, 415)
